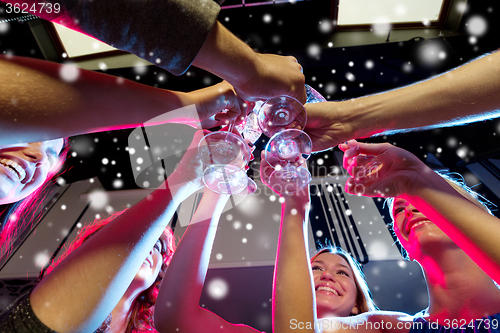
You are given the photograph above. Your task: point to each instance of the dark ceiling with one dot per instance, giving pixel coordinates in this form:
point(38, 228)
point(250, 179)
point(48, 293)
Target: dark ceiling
point(293, 28)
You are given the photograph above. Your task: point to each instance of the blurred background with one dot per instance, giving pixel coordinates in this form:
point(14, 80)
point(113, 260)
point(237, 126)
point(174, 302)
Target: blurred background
point(346, 52)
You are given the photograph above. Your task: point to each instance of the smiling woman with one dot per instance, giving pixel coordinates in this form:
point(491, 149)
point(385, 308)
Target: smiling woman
point(37, 105)
point(27, 172)
point(336, 273)
point(114, 267)
point(444, 228)
point(143, 290)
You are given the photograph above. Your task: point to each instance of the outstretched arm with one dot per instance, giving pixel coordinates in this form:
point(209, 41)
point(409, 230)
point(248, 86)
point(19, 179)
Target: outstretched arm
point(37, 104)
point(84, 288)
point(177, 308)
point(293, 292)
point(174, 34)
point(466, 94)
point(385, 170)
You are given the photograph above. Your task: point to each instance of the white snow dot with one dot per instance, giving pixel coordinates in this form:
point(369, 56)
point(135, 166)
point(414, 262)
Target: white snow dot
point(402, 263)
point(462, 152)
point(350, 76)
point(267, 18)
point(218, 256)
point(69, 73)
point(42, 258)
point(351, 63)
point(217, 289)
point(476, 25)
point(325, 26)
point(102, 66)
point(145, 184)
point(249, 226)
point(320, 161)
point(63, 207)
point(140, 68)
point(272, 198)
point(330, 88)
point(105, 161)
point(139, 160)
point(98, 200)
point(293, 211)
point(439, 150)
point(319, 233)
point(117, 183)
point(244, 240)
point(313, 50)
point(131, 151)
point(237, 225)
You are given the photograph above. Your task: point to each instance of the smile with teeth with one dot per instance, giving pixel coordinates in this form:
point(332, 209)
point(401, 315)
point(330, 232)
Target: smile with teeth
point(19, 171)
point(417, 224)
point(328, 289)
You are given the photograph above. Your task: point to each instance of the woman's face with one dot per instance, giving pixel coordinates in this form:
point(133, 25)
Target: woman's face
point(150, 268)
point(413, 228)
point(24, 167)
point(335, 287)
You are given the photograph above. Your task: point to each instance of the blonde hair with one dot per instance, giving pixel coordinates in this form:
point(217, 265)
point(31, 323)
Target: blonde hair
point(364, 300)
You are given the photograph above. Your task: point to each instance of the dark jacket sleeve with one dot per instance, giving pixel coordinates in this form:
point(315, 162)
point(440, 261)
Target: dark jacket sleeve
point(167, 33)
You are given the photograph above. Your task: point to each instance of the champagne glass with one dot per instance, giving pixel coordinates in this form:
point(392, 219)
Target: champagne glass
point(286, 152)
point(225, 156)
point(280, 113)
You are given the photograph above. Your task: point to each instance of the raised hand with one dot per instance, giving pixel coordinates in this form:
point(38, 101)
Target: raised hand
point(189, 172)
point(327, 124)
point(381, 170)
point(211, 101)
point(273, 76)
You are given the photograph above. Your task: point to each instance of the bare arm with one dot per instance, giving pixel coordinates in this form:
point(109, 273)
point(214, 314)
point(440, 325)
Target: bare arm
point(466, 94)
point(177, 307)
point(84, 288)
point(37, 104)
point(177, 33)
point(293, 295)
point(402, 174)
point(293, 292)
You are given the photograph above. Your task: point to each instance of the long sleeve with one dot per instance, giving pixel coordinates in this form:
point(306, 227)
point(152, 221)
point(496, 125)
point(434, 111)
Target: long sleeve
point(167, 33)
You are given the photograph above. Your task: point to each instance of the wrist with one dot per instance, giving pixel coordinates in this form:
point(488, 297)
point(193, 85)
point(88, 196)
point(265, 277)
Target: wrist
point(179, 188)
point(364, 117)
point(226, 56)
point(422, 179)
point(294, 205)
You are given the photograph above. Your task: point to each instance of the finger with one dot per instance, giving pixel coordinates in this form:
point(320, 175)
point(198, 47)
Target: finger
point(349, 156)
point(348, 144)
point(357, 164)
point(250, 107)
point(372, 148)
